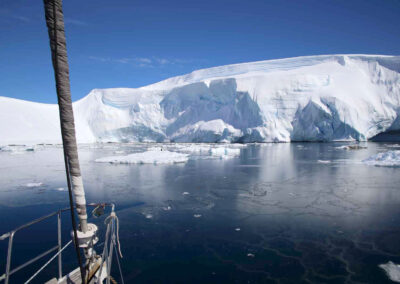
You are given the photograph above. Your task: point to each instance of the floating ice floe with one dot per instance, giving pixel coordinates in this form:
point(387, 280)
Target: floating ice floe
point(324, 161)
point(392, 271)
point(149, 157)
point(237, 229)
point(17, 149)
point(185, 193)
point(34, 184)
point(393, 145)
point(193, 148)
point(239, 145)
point(207, 151)
point(197, 215)
point(224, 152)
point(250, 255)
point(385, 159)
point(351, 147)
point(212, 151)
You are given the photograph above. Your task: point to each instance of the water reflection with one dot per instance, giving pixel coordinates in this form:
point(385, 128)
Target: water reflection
point(308, 212)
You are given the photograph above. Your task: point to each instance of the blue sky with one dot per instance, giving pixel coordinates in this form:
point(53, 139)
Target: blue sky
point(131, 43)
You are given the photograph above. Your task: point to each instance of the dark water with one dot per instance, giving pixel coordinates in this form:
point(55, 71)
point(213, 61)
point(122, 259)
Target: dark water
point(278, 213)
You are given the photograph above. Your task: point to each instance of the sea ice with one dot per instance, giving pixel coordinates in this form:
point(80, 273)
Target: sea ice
point(195, 149)
point(149, 157)
point(212, 151)
point(34, 184)
point(393, 146)
point(17, 149)
point(351, 147)
point(392, 271)
point(385, 159)
point(224, 152)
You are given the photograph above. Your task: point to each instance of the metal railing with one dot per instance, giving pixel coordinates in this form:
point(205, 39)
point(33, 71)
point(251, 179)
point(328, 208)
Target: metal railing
point(10, 235)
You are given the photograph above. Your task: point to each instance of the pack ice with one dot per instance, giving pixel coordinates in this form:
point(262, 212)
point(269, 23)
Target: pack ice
point(315, 98)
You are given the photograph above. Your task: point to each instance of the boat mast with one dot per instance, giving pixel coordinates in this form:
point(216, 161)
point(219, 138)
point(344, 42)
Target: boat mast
point(82, 238)
point(55, 26)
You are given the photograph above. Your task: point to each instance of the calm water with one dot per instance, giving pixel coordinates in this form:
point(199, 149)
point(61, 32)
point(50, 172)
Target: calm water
point(278, 213)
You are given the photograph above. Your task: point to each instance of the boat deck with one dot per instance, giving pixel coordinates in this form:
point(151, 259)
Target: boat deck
point(74, 277)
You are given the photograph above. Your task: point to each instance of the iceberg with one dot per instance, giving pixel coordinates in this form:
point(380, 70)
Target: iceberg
point(312, 98)
point(385, 159)
point(392, 271)
point(148, 157)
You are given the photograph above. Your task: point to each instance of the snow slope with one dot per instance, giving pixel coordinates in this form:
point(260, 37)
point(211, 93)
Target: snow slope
point(314, 98)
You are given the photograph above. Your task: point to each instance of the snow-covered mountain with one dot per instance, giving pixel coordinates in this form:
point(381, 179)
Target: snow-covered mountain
point(313, 98)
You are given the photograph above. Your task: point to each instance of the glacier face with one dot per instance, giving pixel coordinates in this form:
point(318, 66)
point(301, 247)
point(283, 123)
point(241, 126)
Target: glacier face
point(314, 98)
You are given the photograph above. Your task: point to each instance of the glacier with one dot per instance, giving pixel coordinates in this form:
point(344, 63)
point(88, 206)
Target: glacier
point(311, 98)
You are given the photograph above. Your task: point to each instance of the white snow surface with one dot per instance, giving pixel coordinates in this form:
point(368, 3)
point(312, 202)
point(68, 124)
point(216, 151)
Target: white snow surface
point(148, 157)
point(392, 271)
point(385, 159)
point(313, 98)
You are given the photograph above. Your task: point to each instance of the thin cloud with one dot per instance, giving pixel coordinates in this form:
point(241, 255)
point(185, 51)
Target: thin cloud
point(75, 22)
point(163, 61)
point(146, 62)
point(21, 18)
point(102, 59)
point(10, 15)
point(143, 60)
point(136, 61)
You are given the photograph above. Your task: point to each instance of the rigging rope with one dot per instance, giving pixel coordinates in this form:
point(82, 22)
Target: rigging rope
point(106, 221)
point(119, 265)
point(117, 244)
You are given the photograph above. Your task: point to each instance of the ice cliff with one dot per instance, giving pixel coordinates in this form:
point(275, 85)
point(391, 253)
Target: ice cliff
point(314, 98)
